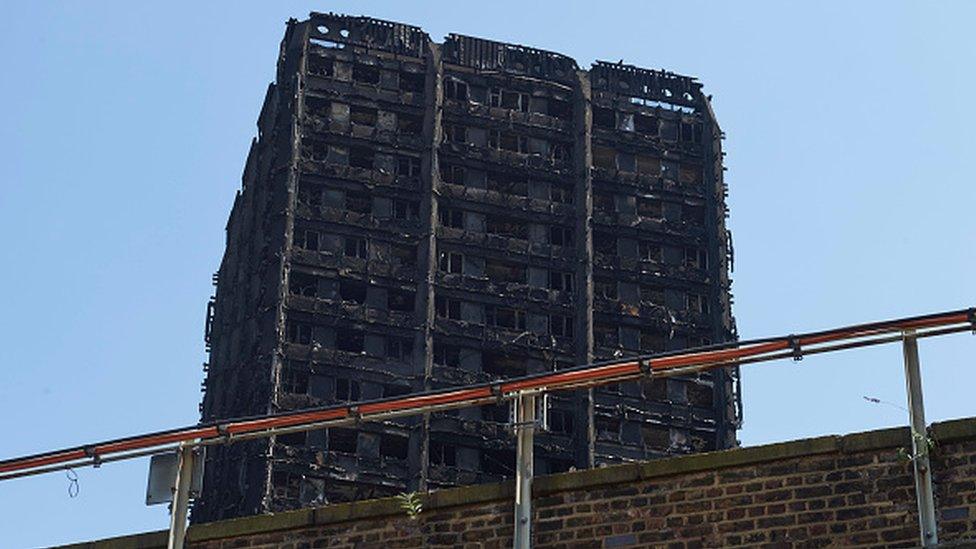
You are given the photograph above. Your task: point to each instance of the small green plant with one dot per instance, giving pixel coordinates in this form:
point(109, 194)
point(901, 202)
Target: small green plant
point(410, 504)
point(924, 443)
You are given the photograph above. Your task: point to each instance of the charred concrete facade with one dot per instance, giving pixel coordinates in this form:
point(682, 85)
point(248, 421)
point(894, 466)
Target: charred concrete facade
point(416, 215)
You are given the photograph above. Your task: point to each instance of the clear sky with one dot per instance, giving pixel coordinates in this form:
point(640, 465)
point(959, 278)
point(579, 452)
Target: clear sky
point(125, 127)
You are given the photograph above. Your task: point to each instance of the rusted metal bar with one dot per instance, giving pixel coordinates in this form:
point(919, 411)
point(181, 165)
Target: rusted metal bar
point(664, 364)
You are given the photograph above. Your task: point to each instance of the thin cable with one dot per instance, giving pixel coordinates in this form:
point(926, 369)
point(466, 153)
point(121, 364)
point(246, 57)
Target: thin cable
point(73, 487)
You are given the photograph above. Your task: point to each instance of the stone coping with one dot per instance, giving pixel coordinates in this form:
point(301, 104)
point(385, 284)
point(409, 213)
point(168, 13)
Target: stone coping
point(943, 432)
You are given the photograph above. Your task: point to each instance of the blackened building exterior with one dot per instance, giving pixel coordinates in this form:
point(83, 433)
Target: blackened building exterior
point(416, 215)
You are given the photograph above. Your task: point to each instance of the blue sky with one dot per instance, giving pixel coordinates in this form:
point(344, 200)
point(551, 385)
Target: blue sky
point(126, 125)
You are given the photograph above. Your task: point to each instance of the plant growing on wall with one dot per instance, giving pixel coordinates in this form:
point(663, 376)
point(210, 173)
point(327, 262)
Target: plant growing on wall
point(411, 504)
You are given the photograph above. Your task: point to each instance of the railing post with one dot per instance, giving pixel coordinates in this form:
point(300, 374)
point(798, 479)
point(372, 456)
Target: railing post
point(920, 444)
point(525, 429)
point(181, 498)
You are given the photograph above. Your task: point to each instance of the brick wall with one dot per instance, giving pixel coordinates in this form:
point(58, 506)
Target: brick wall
point(830, 491)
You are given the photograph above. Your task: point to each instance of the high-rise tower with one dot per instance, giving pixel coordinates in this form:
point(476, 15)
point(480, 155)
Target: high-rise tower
point(415, 215)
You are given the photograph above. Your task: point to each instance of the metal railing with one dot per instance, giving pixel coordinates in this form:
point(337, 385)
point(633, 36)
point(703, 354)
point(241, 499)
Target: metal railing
point(524, 389)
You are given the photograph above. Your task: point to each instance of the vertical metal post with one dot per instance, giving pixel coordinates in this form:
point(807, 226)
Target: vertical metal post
point(525, 429)
point(920, 446)
point(181, 499)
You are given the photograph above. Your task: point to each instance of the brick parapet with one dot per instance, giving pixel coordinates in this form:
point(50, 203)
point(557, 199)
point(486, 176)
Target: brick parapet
point(835, 490)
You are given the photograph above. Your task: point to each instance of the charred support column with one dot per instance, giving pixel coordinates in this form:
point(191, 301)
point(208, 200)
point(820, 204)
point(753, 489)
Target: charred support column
point(525, 431)
point(920, 447)
point(584, 437)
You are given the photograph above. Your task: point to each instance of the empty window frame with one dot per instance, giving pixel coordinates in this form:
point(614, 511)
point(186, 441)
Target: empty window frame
point(320, 66)
point(286, 485)
point(693, 214)
point(669, 130)
point(696, 303)
point(500, 365)
point(298, 332)
point(361, 157)
point(447, 355)
point(452, 173)
point(646, 124)
point(652, 342)
point(394, 446)
point(447, 308)
point(561, 325)
point(650, 251)
point(605, 288)
point(657, 437)
point(562, 194)
point(400, 300)
point(455, 89)
point(603, 202)
point(310, 195)
point(353, 246)
point(650, 208)
point(508, 141)
point(604, 244)
point(505, 272)
point(559, 108)
point(450, 217)
point(690, 174)
point(560, 421)
point(559, 152)
point(343, 441)
point(700, 394)
point(648, 165)
point(407, 210)
point(498, 462)
point(451, 262)
point(390, 391)
point(603, 118)
point(508, 227)
point(560, 236)
point(404, 255)
point(496, 413)
point(366, 74)
point(455, 133)
point(359, 202)
point(346, 390)
point(651, 295)
point(696, 258)
point(691, 132)
point(350, 340)
point(410, 124)
point(362, 116)
point(625, 121)
point(654, 389)
point(408, 166)
point(507, 184)
point(604, 157)
point(352, 291)
point(507, 99)
point(291, 439)
point(303, 284)
point(306, 239)
point(505, 317)
point(607, 428)
point(399, 347)
point(294, 378)
point(561, 281)
point(413, 82)
point(441, 453)
point(605, 335)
